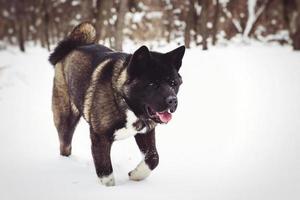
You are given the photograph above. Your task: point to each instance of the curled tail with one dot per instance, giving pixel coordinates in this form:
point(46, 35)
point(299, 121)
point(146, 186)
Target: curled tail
point(82, 34)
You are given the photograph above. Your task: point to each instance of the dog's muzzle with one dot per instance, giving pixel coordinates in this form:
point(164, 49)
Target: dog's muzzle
point(172, 103)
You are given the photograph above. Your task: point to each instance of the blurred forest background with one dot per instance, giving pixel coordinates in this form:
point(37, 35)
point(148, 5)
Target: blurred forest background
point(190, 22)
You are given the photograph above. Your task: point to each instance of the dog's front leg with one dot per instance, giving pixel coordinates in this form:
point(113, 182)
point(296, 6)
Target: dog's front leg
point(146, 144)
point(101, 146)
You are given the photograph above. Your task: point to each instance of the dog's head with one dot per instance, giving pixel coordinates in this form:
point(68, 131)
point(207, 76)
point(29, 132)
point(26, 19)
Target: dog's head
point(153, 83)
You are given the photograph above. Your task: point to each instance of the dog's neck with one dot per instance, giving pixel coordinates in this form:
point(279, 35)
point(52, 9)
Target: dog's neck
point(142, 122)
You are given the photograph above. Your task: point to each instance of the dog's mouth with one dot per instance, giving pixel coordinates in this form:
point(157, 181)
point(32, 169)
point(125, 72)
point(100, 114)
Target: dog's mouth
point(159, 117)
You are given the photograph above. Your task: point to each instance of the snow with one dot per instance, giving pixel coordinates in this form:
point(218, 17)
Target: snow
point(222, 19)
point(273, 21)
point(154, 15)
point(224, 2)
point(177, 11)
point(237, 24)
point(235, 134)
point(78, 16)
point(209, 25)
point(5, 13)
point(75, 3)
point(137, 16)
point(198, 8)
point(280, 35)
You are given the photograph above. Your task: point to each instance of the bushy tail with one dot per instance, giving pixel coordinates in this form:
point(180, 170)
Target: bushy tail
point(82, 34)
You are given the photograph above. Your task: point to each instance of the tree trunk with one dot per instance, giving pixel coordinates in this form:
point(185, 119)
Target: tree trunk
point(20, 23)
point(21, 37)
point(86, 10)
point(215, 23)
point(203, 18)
point(292, 16)
point(296, 39)
point(46, 23)
point(189, 22)
point(255, 16)
point(123, 8)
point(102, 18)
point(168, 25)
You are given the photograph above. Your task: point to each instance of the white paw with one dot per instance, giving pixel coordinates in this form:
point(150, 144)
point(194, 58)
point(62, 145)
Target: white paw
point(141, 172)
point(107, 180)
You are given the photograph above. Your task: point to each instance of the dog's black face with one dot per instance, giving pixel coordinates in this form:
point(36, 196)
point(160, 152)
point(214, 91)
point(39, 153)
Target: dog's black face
point(153, 83)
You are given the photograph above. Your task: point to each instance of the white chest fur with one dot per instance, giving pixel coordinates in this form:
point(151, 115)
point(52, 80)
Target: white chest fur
point(129, 130)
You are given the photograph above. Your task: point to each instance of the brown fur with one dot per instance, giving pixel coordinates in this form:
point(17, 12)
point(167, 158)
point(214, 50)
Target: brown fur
point(84, 32)
point(77, 88)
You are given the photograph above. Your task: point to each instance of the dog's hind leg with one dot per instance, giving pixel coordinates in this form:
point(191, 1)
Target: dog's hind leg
point(65, 114)
point(146, 144)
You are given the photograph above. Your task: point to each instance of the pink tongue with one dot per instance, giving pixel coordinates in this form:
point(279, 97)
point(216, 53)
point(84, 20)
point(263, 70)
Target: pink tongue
point(165, 117)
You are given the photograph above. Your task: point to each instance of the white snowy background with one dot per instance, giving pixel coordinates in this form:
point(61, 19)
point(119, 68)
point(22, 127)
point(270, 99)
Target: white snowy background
point(235, 135)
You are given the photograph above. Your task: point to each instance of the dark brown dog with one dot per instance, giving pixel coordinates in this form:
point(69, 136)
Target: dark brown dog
point(118, 94)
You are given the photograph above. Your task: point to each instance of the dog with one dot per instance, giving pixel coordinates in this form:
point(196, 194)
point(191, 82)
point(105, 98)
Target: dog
point(118, 94)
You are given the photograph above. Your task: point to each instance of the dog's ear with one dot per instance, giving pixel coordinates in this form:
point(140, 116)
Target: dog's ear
point(138, 61)
point(141, 53)
point(175, 57)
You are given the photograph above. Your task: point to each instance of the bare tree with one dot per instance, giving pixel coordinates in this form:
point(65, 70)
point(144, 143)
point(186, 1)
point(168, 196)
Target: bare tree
point(203, 23)
point(189, 21)
point(20, 23)
point(86, 10)
point(104, 9)
point(45, 8)
point(123, 8)
point(46, 22)
point(215, 22)
point(255, 12)
point(167, 19)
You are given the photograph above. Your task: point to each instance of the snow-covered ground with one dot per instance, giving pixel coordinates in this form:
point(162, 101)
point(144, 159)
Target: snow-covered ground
point(235, 135)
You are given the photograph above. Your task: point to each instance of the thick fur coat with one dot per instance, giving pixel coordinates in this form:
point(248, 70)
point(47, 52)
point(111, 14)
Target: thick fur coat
point(118, 94)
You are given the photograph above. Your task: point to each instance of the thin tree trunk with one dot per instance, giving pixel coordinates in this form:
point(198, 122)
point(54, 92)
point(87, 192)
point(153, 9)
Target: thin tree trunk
point(189, 22)
point(296, 33)
point(86, 6)
point(46, 23)
point(253, 17)
point(215, 23)
point(296, 39)
point(102, 18)
point(99, 18)
point(292, 18)
point(169, 18)
point(21, 37)
point(20, 23)
point(203, 18)
point(120, 24)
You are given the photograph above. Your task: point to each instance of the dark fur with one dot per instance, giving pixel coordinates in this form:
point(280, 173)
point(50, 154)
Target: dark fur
point(83, 34)
point(102, 85)
point(63, 48)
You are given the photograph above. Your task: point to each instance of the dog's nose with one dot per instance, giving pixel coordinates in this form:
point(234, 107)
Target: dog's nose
point(172, 101)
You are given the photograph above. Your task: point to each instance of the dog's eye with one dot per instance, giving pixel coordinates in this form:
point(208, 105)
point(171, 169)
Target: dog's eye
point(153, 84)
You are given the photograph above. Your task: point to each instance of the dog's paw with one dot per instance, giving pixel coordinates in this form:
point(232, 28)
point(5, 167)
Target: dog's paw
point(107, 180)
point(141, 172)
point(65, 150)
